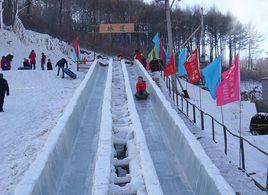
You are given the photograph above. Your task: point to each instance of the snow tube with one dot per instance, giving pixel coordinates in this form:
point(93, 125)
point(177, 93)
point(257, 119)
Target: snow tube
point(142, 96)
point(24, 68)
point(70, 73)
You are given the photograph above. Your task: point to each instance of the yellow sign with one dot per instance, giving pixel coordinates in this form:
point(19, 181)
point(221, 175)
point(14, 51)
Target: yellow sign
point(117, 28)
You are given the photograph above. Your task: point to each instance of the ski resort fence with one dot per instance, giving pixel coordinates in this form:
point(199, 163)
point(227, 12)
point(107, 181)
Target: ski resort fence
point(201, 118)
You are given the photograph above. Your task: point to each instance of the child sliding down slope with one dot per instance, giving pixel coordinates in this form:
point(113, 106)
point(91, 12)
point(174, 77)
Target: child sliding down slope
point(141, 89)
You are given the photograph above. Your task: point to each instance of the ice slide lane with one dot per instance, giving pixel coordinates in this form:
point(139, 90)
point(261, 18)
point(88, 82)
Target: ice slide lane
point(181, 164)
point(65, 164)
point(77, 176)
point(169, 171)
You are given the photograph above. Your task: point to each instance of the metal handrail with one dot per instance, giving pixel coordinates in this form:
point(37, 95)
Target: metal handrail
point(230, 132)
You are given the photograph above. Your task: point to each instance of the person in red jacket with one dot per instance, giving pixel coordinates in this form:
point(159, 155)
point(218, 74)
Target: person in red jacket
point(141, 89)
point(32, 58)
point(139, 56)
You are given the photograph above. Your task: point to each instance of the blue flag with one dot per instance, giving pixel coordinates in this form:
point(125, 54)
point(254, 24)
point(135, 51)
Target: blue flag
point(156, 39)
point(182, 59)
point(157, 45)
point(74, 56)
point(212, 76)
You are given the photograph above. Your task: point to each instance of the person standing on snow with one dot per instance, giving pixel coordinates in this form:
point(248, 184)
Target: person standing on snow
point(32, 58)
point(61, 64)
point(4, 89)
point(49, 65)
point(43, 61)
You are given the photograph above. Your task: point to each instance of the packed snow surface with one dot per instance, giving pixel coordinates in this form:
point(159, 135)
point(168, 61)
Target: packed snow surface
point(37, 99)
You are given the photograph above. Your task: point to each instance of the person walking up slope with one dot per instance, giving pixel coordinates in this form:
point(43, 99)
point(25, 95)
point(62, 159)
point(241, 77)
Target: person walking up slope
point(4, 89)
point(32, 58)
point(61, 63)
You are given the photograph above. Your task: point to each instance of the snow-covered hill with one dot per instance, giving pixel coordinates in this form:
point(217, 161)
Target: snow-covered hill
point(37, 99)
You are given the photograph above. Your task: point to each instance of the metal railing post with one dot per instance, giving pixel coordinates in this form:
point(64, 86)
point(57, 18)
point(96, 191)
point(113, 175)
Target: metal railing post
point(169, 86)
point(242, 153)
point(194, 114)
point(182, 103)
point(187, 108)
point(177, 99)
point(225, 139)
point(213, 129)
point(202, 120)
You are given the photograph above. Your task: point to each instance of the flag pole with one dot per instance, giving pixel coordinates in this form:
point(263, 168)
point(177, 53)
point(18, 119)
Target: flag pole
point(222, 116)
point(200, 98)
point(241, 155)
point(198, 62)
point(240, 132)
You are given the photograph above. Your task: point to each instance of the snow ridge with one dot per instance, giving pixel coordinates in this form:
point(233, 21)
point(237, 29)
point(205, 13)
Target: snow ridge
point(104, 153)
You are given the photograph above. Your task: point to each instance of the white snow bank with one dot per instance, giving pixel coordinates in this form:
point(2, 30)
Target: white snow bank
point(20, 49)
point(103, 162)
point(45, 171)
point(151, 180)
point(202, 174)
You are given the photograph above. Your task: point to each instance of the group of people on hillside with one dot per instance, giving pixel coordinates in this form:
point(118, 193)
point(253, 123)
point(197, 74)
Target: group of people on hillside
point(31, 63)
point(6, 62)
point(27, 64)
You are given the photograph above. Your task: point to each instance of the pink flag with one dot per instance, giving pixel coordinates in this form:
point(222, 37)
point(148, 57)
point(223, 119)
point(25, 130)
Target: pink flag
point(229, 89)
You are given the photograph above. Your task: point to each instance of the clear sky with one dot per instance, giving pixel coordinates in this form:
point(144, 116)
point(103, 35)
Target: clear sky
point(255, 11)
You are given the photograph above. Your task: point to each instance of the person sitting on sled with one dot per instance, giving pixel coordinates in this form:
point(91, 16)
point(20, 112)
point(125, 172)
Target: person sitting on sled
point(141, 89)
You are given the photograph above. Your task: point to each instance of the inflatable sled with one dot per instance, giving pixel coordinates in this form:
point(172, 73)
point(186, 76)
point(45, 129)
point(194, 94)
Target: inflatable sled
point(24, 68)
point(142, 96)
point(70, 73)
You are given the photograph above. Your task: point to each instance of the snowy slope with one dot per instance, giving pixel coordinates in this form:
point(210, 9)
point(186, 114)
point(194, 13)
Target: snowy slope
point(256, 162)
point(37, 99)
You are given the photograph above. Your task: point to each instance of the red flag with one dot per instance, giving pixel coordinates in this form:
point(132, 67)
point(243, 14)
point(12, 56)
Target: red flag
point(170, 68)
point(229, 89)
point(192, 67)
point(84, 61)
point(76, 46)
